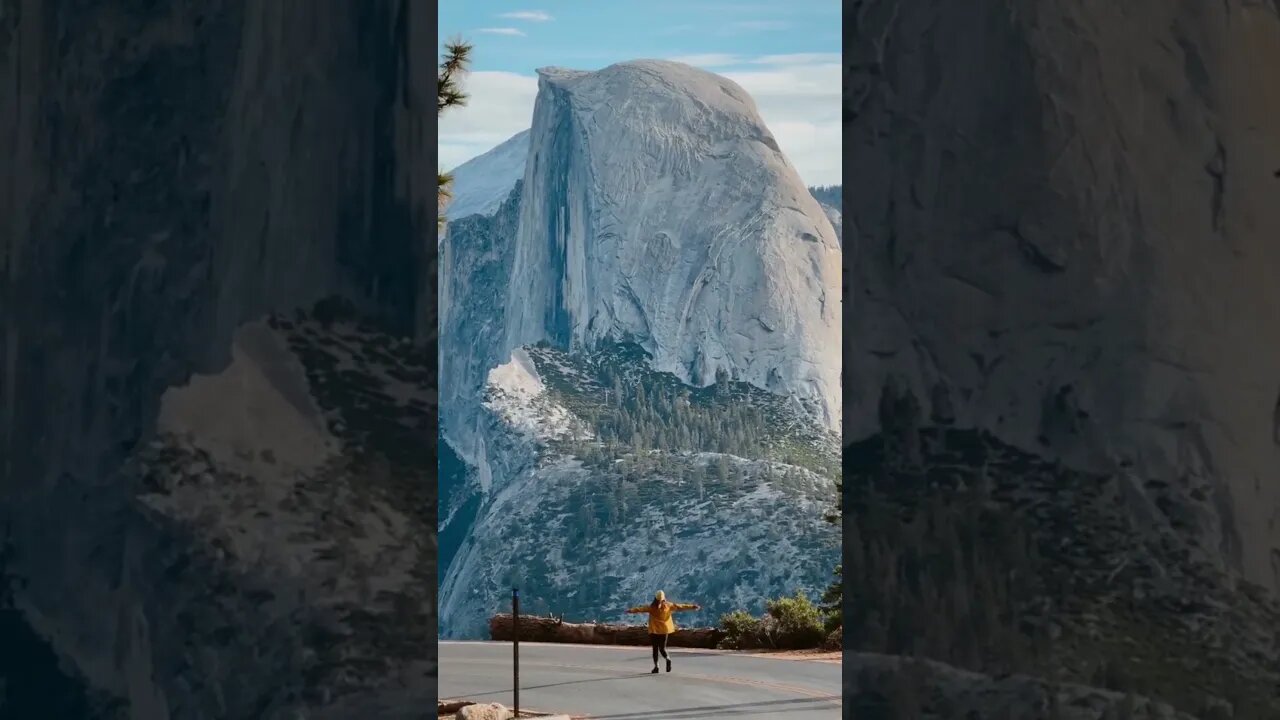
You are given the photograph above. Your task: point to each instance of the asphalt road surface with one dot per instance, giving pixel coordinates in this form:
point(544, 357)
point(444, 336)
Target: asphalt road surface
point(614, 683)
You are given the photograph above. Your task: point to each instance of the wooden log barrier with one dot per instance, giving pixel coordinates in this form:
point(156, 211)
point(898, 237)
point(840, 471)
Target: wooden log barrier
point(555, 630)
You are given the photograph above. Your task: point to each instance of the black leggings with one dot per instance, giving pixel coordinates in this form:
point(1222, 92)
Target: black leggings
point(659, 646)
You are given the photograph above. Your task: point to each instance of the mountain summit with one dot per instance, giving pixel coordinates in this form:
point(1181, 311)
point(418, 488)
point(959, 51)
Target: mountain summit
point(657, 206)
point(639, 348)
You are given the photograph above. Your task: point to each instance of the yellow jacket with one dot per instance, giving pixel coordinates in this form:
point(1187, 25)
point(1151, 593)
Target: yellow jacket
point(660, 622)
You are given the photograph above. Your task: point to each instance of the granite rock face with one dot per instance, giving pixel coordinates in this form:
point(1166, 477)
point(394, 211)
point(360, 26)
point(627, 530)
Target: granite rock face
point(886, 686)
point(833, 214)
point(1063, 227)
point(658, 207)
point(1064, 220)
point(475, 260)
point(179, 170)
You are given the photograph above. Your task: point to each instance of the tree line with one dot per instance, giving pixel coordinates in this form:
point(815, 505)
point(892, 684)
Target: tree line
point(638, 412)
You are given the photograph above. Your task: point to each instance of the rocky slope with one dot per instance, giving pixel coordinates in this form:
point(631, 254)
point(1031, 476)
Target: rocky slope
point(597, 491)
point(1065, 240)
point(297, 483)
point(179, 170)
point(475, 260)
point(606, 245)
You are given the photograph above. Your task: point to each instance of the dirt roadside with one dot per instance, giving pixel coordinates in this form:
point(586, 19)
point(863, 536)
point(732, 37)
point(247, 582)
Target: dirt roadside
point(827, 656)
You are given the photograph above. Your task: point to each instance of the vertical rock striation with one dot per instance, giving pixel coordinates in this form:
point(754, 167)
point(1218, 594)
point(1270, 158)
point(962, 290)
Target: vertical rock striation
point(177, 170)
point(1063, 241)
point(658, 207)
point(1066, 215)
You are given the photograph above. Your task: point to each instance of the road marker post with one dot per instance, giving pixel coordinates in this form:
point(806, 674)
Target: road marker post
point(515, 646)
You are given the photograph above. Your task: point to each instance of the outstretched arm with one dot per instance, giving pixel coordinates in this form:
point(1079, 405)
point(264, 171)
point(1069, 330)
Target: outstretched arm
point(687, 606)
point(638, 609)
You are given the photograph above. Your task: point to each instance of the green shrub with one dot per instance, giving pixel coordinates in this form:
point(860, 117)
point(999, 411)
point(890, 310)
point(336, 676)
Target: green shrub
point(835, 640)
point(741, 630)
point(794, 623)
point(789, 623)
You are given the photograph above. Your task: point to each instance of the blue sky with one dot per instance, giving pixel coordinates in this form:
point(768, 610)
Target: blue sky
point(786, 55)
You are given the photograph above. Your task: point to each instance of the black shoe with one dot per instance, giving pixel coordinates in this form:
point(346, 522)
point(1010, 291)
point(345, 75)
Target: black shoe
point(654, 671)
point(668, 665)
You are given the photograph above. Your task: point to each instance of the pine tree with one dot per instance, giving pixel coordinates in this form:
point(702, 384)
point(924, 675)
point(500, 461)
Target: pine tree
point(833, 597)
point(449, 94)
point(722, 382)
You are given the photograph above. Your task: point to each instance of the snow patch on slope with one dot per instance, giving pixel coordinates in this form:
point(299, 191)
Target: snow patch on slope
point(263, 393)
point(238, 454)
point(483, 182)
point(516, 393)
point(519, 376)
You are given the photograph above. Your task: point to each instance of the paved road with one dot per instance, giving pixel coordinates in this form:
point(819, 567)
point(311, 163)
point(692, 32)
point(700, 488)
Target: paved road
point(614, 682)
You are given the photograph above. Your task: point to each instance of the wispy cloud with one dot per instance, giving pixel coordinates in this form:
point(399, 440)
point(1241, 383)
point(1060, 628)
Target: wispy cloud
point(677, 29)
point(798, 59)
point(516, 32)
point(709, 60)
point(758, 25)
point(500, 105)
point(800, 102)
point(726, 60)
point(527, 15)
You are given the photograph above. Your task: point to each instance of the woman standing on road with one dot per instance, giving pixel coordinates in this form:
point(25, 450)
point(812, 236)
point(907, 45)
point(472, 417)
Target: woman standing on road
point(660, 624)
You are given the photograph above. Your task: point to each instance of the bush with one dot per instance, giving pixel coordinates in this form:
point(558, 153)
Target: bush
point(791, 623)
point(835, 640)
point(741, 630)
point(794, 623)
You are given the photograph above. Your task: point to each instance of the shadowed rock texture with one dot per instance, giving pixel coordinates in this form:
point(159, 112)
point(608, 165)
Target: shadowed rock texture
point(172, 172)
point(1063, 223)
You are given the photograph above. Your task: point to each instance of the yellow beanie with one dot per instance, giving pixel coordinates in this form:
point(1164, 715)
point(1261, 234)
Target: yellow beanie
point(660, 596)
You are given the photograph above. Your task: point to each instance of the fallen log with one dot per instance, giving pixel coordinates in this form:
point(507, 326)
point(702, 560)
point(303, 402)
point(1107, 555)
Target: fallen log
point(555, 630)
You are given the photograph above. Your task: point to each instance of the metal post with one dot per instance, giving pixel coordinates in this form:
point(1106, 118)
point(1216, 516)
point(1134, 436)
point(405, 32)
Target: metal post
point(515, 645)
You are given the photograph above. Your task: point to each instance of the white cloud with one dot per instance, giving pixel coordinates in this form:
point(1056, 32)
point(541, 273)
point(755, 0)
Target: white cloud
point(799, 101)
point(723, 60)
point(798, 59)
point(502, 31)
point(801, 105)
point(708, 60)
point(528, 15)
point(500, 105)
point(759, 25)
